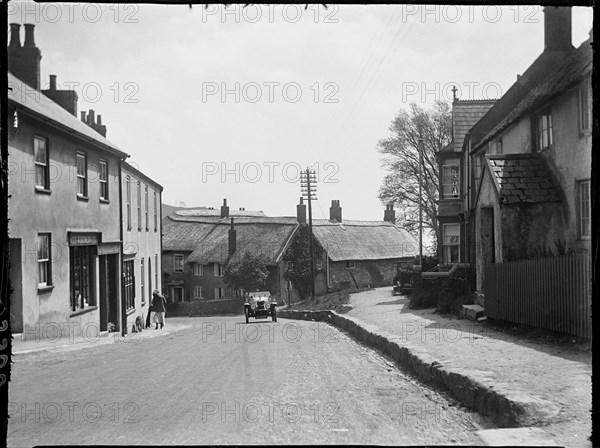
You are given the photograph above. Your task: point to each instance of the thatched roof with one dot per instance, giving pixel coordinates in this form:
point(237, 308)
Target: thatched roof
point(364, 240)
point(208, 237)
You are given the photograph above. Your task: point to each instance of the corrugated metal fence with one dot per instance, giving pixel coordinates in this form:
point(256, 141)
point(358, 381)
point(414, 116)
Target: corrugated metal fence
point(550, 293)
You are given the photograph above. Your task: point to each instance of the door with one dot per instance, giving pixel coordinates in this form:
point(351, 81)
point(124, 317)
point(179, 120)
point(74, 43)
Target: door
point(488, 242)
point(104, 288)
point(16, 283)
point(113, 290)
point(177, 294)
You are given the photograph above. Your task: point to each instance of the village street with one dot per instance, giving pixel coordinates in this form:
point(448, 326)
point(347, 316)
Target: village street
point(223, 381)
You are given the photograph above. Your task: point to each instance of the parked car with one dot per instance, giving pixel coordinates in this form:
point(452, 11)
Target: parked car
point(403, 281)
point(260, 305)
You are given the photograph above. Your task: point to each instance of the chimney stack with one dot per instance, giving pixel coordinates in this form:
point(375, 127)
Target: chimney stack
point(83, 118)
point(67, 99)
point(232, 240)
point(301, 212)
point(390, 214)
point(24, 61)
point(15, 38)
point(91, 117)
point(335, 211)
point(29, 40)
point(224, 209)
point(557, 28)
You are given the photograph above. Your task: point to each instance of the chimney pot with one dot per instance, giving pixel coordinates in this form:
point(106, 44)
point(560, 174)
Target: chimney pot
point(91, 116)
point(15, 38)
point(83, 118)
point(99, 120)
point(29, 39)
point(52, 82)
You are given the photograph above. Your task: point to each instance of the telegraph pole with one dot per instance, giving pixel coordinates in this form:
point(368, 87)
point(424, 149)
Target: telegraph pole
point(309, 192)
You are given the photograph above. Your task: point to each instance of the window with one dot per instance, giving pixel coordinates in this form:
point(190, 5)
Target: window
point(155, 213)
point(585, 116)
point(128, 186)
point(103, 164)
point(146, 207)
point(43, 257)
point(218, 270)
point(40, 148)
point(290, 265)
point(218, 293)
point(142, 283)
point(240, 292)
point(544, 128)
point(197, 292)
point(81, 174)
point(177, 263)
point(499, 148)
point(350, 264)
point(139, 204)
point(451, 243)
point(585, 209)
point(82, 271)
point(129, 285)
point(450, 180)
point(198, 269)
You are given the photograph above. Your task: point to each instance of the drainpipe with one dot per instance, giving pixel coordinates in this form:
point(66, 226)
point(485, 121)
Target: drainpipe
point(121, 305)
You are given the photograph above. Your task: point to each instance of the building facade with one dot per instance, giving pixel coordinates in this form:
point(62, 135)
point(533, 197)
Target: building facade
point(142, 241)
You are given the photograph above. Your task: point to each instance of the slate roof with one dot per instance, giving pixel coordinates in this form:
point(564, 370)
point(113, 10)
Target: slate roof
point(208, 237)
point(576, 66)
point(364, 240)
point(465, 113)
point(522, 178)
point(34, 100)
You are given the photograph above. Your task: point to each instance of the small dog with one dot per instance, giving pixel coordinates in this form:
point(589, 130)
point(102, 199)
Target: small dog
point(139, 324)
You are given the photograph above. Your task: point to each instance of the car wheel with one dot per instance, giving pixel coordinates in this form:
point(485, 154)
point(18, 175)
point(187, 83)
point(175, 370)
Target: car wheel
point(247, 315)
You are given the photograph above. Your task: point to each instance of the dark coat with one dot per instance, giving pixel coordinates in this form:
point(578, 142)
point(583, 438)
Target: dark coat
point(158, 303)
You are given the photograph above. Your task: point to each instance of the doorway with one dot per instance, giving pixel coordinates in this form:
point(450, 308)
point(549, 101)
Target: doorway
point(109, 304)
point(16, 283)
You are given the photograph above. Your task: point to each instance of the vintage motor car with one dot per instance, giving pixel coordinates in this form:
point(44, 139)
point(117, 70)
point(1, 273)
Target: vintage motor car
point(260, 305)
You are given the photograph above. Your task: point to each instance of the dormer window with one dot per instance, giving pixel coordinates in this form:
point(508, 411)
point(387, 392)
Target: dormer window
point(544, 131)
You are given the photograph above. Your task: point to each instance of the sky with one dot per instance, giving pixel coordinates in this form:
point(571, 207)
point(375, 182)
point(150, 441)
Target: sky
point(231, 103)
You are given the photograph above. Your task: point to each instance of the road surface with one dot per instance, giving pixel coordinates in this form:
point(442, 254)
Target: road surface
point(226, 382)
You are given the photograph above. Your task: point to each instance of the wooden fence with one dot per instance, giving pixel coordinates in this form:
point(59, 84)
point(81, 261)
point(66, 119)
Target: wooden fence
point(550, 293)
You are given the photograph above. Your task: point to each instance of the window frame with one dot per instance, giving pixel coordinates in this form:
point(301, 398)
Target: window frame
point(129, 284)
point(350, 264)
point(585, 126)
point(198, 292)
point(139, 204)
point(46, 259)
point(455, 182)
point(581, 208)
point(104, 195)
point(155, 211)
point(446, 245)
point(218, 293)
point(45, 166)
point(218, 270)
point(82, 179)
point(85, 256)
point(175, 263)
point(128, 188)
point(198, 269)
point(541, 131)
point(146, 207)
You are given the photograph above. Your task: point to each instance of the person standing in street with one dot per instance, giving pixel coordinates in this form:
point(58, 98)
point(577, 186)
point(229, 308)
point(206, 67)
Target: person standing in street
point(158, 306)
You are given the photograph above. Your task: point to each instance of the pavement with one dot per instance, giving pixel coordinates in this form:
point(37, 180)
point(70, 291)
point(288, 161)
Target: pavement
point(521, 384)
point(67, 343)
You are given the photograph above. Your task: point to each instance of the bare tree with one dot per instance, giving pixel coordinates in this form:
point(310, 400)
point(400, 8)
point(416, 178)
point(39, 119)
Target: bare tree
point(401, 150)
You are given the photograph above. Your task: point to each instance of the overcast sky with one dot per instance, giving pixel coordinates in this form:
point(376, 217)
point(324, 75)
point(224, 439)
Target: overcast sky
point(220, 103)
